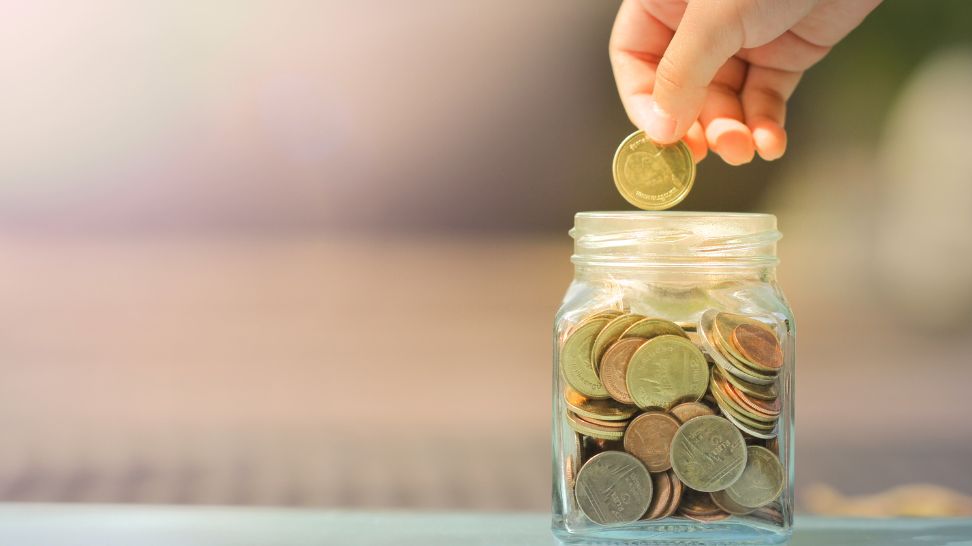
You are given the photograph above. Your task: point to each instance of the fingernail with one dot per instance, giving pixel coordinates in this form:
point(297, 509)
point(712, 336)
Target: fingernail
point(660, 124)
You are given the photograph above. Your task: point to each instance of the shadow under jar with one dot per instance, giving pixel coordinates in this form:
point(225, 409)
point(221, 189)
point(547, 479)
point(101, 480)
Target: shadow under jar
point(673, 382)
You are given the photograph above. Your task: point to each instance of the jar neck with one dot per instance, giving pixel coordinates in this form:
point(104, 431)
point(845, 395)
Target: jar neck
point(674, 244)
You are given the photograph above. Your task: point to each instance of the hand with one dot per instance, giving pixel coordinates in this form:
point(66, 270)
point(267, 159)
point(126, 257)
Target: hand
point(718, 73)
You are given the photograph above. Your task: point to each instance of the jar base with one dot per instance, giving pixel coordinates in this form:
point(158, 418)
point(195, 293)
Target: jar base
point(681, 531)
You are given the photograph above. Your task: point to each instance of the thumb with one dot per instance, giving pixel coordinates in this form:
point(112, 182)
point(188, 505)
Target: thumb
point(707, 36)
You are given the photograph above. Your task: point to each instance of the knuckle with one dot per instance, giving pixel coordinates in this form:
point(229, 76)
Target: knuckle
point(668, 75)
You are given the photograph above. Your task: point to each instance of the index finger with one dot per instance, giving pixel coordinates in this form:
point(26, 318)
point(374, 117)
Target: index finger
point(638, 41)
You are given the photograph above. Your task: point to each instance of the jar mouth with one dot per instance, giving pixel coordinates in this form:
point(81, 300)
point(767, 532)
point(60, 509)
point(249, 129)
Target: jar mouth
point(674, 238)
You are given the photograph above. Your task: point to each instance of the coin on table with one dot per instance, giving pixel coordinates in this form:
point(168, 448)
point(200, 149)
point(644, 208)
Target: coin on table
point(649, 328)
point(575, 359)
point(606, 409)
point(653, 176)
point(613, 488)
point(708, 453)
point(649, 438)
point(761, 481)
point(614, 368)
point(665, 371)
point(609, 334)
point(689, 410)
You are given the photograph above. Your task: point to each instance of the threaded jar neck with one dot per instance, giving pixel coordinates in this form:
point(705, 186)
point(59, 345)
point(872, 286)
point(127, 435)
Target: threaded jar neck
point(715, 241)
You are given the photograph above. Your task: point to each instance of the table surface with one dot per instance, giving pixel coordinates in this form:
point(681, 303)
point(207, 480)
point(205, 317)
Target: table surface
point(140, 525)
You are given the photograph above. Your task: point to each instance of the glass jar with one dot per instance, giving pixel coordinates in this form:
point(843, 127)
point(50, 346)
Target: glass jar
point(673, 382)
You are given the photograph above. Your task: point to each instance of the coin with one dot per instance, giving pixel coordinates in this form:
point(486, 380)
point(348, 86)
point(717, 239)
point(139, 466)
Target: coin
point(606, 313)
point(609, 334)
point(723, 501)
point(594, 430)
point(700, 507)
point(613, 425)
point(613, 488)
point(662, 495)
point(763, 392)
point(614, 368)
point(719, 387)
point(689, 410)
point(769, 408)
point(762, 341)
point(758, 346)
point(677, 490)
point(591, 446)
point(665, 371)
point(653, 327)
point(708, 337)
point(653, 176)
point(605, 409)
point(761, 481)
point(649, 438)
point(708, 453)
point(750, 430)
point(575, 359)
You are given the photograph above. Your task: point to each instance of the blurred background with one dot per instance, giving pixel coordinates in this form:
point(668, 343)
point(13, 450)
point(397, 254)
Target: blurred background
point(308, 252)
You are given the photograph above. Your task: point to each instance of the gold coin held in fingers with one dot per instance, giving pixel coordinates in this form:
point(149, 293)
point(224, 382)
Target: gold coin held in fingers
point(653, 176)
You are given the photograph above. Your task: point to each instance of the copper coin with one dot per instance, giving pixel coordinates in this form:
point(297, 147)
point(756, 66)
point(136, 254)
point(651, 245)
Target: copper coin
point(649, 438)
point(620, 425)
point(614, 368)
point(677, 489)
point(707, 518)
point(661, 497)
point(689, 410)
point(769, 408)
point(759, 345)
point(722, 387)
point(697, 503)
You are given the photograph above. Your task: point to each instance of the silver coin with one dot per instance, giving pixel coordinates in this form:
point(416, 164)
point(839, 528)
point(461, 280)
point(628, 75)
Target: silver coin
point(613, 488)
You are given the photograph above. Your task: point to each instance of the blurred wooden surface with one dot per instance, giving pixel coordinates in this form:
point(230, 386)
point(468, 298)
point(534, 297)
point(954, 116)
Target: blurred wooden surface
point(385, 372)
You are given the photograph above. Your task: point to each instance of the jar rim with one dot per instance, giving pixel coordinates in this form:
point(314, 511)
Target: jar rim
point(646, 238)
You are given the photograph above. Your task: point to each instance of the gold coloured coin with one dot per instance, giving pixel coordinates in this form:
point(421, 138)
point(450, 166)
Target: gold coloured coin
point(665, 371)
point(761, 481)
point(575, 359)
point(595, 431)
point(604, 409)
point(613, 488)
point(653, 176)
point(689, 410)
point(723, 501)
point(648, 328)
point(609, 334)
point(708, 453)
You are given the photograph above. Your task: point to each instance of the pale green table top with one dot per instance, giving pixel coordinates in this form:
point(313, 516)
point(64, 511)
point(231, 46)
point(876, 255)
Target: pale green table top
point(75, 525)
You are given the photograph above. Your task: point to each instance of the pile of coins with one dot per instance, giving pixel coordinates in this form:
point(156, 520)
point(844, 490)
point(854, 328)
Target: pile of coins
point(672, 419)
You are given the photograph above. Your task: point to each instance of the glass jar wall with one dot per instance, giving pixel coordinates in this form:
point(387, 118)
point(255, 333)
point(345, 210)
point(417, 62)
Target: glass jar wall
point(673, 382)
